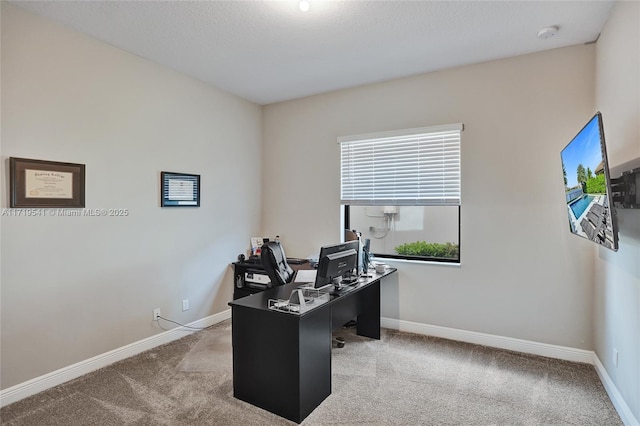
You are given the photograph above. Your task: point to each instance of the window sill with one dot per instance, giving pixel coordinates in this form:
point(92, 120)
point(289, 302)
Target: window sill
point(392, 260)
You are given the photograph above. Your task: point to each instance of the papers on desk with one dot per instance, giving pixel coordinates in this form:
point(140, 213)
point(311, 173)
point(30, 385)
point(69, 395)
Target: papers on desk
point(306, 276)
point(256, 245)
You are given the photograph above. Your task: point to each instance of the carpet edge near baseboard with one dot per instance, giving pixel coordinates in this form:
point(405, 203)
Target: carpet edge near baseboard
point(62, 375)
point(524, 346)
point(494, 341)
point(616, 397)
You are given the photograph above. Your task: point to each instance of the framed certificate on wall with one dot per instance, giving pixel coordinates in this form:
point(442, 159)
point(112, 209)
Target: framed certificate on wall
point(179, 190)
point(40, 183)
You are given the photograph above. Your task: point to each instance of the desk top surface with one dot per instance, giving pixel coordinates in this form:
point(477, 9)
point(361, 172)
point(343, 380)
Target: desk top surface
point(261, 300)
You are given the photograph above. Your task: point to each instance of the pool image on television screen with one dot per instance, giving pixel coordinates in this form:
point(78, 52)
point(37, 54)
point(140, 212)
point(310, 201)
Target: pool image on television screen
point(587, 186)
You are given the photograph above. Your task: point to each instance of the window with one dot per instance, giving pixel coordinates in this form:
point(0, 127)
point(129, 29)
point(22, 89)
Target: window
point(401, 190)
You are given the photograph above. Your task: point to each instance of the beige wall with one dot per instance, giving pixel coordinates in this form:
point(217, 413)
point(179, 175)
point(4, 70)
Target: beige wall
point(617, 283)
point(522, 275)
point(76, 287)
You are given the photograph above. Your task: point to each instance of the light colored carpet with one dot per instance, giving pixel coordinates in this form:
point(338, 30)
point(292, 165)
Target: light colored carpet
point(402, 379)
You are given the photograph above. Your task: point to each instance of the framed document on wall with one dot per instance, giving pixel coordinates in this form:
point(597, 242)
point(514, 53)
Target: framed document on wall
point(179, 190)
point(40, 183)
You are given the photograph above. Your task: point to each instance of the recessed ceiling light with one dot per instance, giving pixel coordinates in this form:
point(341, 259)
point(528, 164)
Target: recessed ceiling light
point(304, 5)
point(547, 32)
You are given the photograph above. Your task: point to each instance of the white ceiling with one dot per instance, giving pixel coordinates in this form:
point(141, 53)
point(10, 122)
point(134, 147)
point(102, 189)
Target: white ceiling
point(270, 51)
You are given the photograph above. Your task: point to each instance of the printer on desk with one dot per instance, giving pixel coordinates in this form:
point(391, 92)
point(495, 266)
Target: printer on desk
point(252, 274)
point(249, 279)
point(259, 279)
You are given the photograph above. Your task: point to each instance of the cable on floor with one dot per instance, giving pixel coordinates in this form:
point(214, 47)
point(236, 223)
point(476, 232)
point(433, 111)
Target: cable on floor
point(183, 325)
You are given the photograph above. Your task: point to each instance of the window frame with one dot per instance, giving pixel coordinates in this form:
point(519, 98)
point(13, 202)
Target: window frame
point(347, 225)
point(346, 206)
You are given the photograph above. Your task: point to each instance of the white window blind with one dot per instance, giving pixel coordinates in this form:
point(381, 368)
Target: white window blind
point(409, 167)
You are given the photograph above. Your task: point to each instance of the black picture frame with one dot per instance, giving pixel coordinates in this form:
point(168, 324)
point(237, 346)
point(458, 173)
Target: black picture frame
point(179, 189)
point(40, 184)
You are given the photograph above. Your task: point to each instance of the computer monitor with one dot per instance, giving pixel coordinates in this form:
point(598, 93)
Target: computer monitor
point(334, 267)
point(362, 249)
point(334, 248)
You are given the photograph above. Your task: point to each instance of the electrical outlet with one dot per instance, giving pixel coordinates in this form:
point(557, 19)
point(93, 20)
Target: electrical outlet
point(185, 305)
point(156, 314)
point(615, 357)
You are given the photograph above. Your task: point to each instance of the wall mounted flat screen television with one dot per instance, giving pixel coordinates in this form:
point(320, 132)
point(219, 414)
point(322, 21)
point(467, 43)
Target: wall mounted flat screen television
point(587, 186)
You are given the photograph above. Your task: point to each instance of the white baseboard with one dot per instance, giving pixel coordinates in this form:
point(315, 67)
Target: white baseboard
point(55, 378)
point(509, 343)
point(617, 400)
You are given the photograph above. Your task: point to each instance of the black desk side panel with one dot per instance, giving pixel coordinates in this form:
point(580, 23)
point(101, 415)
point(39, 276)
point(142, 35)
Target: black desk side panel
point(282, 362)
point(363, 304)
point(369, 312)
point(315, 360)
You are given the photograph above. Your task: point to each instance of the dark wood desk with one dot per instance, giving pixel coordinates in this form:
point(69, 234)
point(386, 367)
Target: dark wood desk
point(282, 361)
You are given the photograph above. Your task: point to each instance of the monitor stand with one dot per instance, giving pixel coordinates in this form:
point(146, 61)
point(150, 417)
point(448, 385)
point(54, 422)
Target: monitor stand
point(342, 285)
